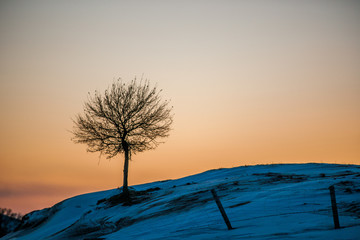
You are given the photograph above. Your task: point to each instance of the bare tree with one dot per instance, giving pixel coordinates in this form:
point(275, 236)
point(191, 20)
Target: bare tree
point(128, 118)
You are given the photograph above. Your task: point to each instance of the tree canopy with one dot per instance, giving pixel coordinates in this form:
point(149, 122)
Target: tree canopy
point(127, 118)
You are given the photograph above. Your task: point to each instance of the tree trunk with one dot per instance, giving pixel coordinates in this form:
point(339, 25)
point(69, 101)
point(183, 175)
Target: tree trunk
point(126, 170)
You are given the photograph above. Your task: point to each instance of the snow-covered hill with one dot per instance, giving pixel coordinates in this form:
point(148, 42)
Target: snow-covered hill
point(262, 202)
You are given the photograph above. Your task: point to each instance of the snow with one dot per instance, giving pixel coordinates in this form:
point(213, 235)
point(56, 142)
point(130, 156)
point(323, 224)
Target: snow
point(262, 202)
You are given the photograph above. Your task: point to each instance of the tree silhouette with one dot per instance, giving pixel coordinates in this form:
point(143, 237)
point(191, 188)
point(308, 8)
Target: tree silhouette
point(9, 221)
point(128, 118)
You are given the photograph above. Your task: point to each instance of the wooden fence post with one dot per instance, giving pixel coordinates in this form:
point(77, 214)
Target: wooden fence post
point(334, 207)
point(218, 203)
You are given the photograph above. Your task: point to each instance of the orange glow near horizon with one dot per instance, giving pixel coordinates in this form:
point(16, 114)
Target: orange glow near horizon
point(256, 82)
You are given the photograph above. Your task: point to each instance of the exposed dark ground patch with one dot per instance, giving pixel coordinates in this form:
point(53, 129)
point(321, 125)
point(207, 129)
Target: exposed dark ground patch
point(239, 204)
point(344, 174)
point(352, 208)
point(347, 187)
point(136, 197)
point(271, 177)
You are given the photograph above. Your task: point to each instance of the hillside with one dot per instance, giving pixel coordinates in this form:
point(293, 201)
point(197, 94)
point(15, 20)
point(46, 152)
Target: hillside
point(262, 202)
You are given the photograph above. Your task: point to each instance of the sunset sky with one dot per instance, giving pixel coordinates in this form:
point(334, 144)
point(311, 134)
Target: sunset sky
point(251, 82)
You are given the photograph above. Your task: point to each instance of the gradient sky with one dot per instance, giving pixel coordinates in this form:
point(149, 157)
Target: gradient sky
point(251, 82)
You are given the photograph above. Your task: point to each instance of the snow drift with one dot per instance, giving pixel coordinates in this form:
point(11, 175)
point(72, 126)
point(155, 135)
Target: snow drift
point(279, 201)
